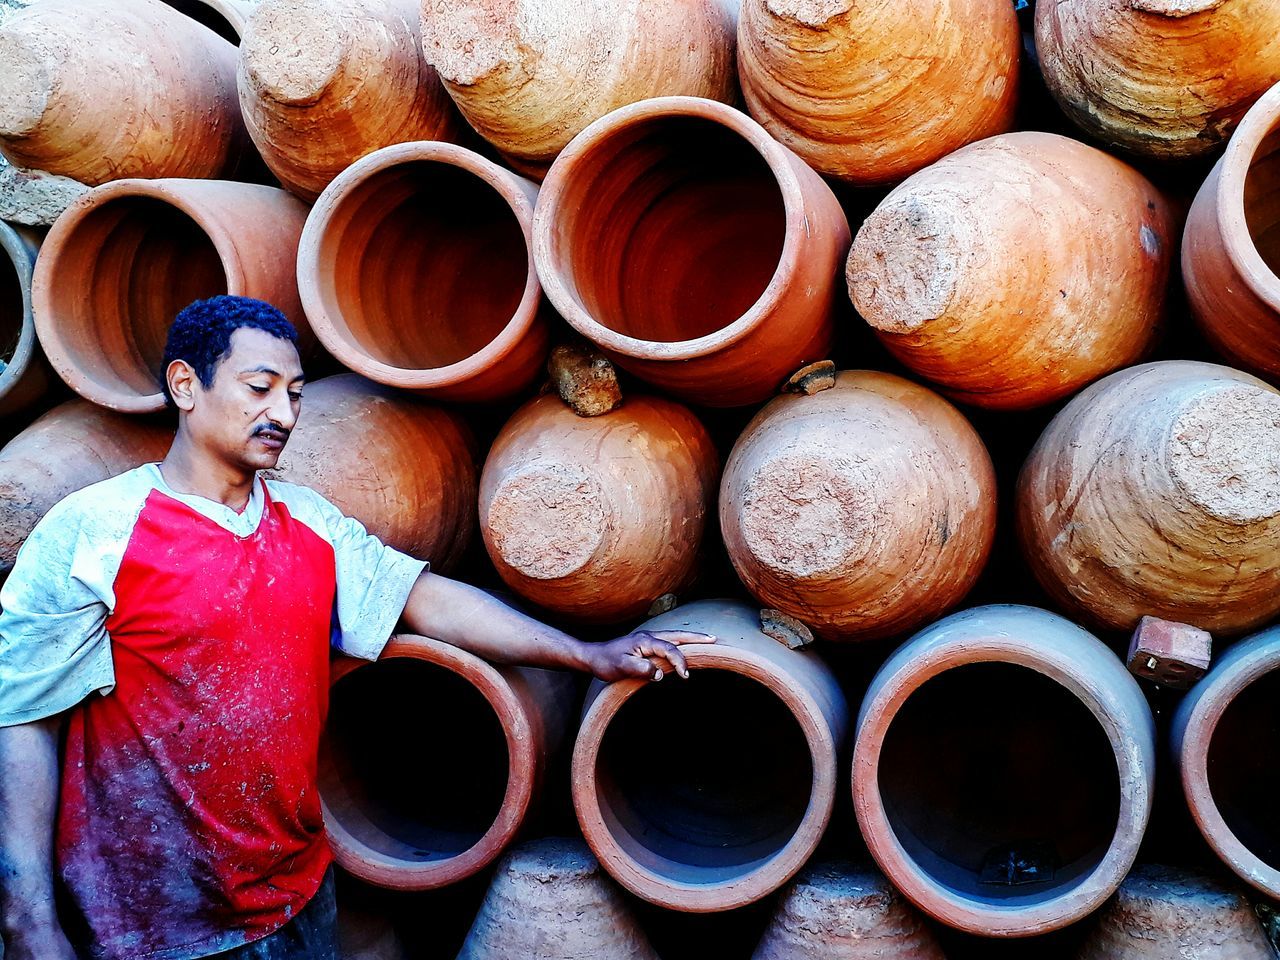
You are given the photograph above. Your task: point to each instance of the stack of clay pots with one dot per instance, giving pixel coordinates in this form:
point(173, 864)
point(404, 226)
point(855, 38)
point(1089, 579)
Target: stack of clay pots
point(922, 355)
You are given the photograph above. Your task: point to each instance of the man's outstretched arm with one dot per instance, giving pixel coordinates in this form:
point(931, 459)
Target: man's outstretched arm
point(471, 619)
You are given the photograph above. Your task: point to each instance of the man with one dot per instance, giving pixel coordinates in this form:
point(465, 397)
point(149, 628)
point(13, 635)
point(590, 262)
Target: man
point(179, 617)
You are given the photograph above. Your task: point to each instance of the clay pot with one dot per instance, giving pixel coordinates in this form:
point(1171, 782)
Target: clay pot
point(728, 813)
point(125, 258)
point(25, 376)
point(324, 82)
point(1003, 771)
point(73, 445)
point(836, 911)
point(367, 935)
point(226, 18)
point(1223, 737)
point(404, 468)
point(864, 510)
point(1231, 248)
point(1163, 912)
point(1157, 492)
point(416, 271)
point(1168, 79)
point(693, 248)
point(1016, 270)
point(871, 93)
point(529, 75)
point(101, 90)
point(549, 900)
point(596, 517)
point(440, 799)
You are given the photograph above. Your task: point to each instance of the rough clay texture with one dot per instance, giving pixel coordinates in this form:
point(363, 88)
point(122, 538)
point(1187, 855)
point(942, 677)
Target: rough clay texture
point(1139, 499)
point(1017, 270)
point(871, 92)
point(35, 198)
point(1162, 78)
point(549, 900)
point(547, 521)
point(864, 510)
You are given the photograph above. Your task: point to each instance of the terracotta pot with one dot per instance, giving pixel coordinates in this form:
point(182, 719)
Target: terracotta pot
point(1157, 492)
point(73, 445)
point(1016, 270)
point(1231, 249)
point(1168, 79)
point(404, 468)
point(595, 518)
point(871, 93)
point(440, 799)
point(1003, 771)
point(529, 75)
point(101, 90)
point(550, 900)
point(1223, 738)
point(731, 812)
point(324, 82)
point(367, 935)
point(1163, 912)
point(836, 911)
point(125, 258)
point(226, 18)
point(693, 248)
point(863, 511)
point(455, 311)
point(25, 376)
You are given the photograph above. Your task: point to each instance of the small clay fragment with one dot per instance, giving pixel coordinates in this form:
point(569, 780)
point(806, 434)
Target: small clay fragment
point(1172, 654)
point(812, 378)
point(786, 630)
point(585, 379)
point(665, 603)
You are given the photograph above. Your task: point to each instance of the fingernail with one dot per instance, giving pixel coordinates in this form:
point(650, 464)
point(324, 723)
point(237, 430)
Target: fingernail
point(658, 675)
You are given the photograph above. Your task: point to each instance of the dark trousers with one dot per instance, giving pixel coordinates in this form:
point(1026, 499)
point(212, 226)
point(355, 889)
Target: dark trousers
point(311, 935)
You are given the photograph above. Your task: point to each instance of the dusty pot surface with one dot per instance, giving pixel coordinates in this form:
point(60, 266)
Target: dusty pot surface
point(1223, 738)
point(1016, 270)
point(1162, 912)
point(416, 271)
point(735, 810)
point(872, 92)
point(1231, 246)
point(25, 375)
point(324, 82)
point(550, 900)
point(100, 90)
point(529, 75)
point(1003, 771)
point(404, 468)
point(597, 517)
point(864, 510)
point(1156, 491)
point(440, 799)
point(693, 248)
point(1169, 79)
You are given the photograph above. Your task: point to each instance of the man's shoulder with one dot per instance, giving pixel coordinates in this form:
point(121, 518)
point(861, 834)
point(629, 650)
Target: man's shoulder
point(303, 503)
point(111, 504)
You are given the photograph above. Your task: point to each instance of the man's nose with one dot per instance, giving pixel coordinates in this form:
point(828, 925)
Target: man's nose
point(281, 411)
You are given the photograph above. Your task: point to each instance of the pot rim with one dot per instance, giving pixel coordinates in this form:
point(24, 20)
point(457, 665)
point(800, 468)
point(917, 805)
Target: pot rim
point(779, 160)
point(22, 257)
point(1262, 119)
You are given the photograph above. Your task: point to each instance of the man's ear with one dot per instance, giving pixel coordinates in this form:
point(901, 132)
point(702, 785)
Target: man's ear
point(182, 380)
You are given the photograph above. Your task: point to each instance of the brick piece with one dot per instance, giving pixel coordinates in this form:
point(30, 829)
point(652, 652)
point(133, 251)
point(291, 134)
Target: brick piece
point(1171, 654)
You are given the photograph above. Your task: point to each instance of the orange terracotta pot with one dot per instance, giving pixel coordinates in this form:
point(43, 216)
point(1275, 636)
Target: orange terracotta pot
point(737, 808)
point(122, 260)
point(1231, 247)
point(101, 90)
point(440, 800)
point(404, 468)
point(1017, 270)
point(871, 93)
point(1157, 491)
point(596, 517)
point(863, 511)
point(1003, 771)
point(416, 271)
point(324, 82)
point(529, 75)
point(25, 375)
point(1168, 79)
point(693, 248)
point(73, 445)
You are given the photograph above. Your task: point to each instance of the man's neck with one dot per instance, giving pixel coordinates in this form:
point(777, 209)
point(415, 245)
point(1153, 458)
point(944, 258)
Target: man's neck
point(186, 470)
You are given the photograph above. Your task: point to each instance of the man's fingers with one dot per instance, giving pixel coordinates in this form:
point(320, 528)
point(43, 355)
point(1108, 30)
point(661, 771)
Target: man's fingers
point(664, 655)
point(681, 636)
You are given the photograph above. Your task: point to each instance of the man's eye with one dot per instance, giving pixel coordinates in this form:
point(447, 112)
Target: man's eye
point(259, 389)
point(295, 396)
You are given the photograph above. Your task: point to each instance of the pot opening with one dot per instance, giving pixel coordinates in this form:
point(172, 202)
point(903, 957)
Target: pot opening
point(1262, 199)
point(1000, 784)
point(723, 797)
point(1241, 768)
point(12, 311)
point(414, 760)
point(671, 230)
point(206, 15)
point(422, 265)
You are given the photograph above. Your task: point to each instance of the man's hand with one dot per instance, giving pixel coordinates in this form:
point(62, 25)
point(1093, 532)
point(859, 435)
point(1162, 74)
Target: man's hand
point(644, 655)
point(42, 943)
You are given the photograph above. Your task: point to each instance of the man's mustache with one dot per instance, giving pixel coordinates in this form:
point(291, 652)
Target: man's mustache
point(272, 431)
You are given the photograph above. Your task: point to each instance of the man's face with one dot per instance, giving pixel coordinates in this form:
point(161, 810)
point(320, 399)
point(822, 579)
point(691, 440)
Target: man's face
point(246, 414)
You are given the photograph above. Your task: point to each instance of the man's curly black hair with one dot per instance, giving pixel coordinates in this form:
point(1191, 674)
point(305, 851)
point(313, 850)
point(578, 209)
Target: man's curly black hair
point(201, 334)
